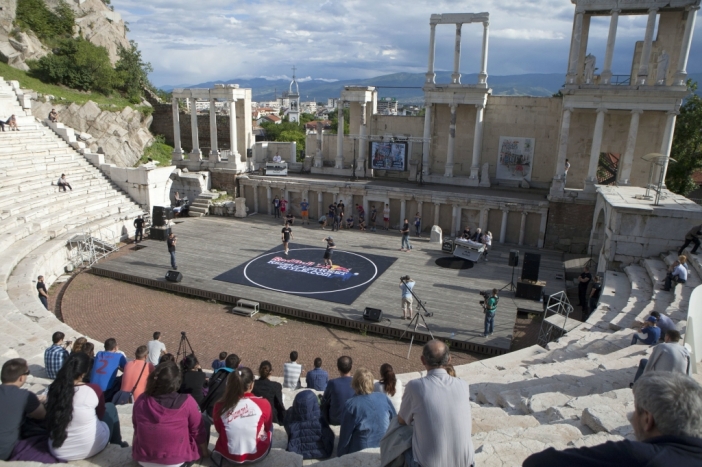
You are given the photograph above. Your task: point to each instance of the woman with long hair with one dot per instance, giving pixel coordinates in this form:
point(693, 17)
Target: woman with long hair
point(366, 416)
point(78, 344)
point(168, 427)
point(271, 391)
point(389, 385)
point(88, 349)
point(193, 378)
point(244, 422)
point(80, 422)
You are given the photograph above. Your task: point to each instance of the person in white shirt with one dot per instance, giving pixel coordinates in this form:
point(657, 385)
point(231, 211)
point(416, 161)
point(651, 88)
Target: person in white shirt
point(277, 158)
point(389, 385)
point(677, 275)
point(487, 241)
point(156, 349)
point(291, 372)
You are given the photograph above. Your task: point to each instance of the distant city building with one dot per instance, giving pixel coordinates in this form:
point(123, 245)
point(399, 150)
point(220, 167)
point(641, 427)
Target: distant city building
point(332, 103)
point(387, 106)
point(308, 107)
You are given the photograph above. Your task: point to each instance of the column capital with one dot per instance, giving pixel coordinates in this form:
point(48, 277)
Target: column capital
point(568, 108)
point(459, 26)
point(692, 8)
point(602, 109)
point(615, 11)
point(524, 213)
point(453, 107)
point(486, 24)
point(480, 106)
point(673, 112)
point(653, 10)
point(637, 111)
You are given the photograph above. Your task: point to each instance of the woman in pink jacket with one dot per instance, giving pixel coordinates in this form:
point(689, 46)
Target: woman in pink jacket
point(168, 427)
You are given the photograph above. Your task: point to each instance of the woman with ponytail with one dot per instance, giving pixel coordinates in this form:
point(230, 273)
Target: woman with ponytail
point(80, 422)
point(244, 422)
point(389, 385)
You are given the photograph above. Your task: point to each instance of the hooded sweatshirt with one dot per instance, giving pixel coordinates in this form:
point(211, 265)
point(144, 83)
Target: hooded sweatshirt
point(308, 434)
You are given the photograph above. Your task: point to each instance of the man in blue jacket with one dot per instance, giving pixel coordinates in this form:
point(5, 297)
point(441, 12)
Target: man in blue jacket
point(317, 379)
point(338, 391)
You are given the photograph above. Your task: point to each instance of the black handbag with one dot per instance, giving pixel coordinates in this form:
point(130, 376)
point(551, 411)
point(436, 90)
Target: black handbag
point(127, 397)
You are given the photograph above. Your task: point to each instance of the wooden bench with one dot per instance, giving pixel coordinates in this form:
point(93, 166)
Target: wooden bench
point(245, 308)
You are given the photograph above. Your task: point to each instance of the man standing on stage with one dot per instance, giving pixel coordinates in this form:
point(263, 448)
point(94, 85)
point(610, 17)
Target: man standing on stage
point(172, 249)
point(304, 211)
point(286, 236)
point(406, 286)
point(139, 226)
point(328, 252)
point(276, 206)
point(373, 218)
point(489, 308)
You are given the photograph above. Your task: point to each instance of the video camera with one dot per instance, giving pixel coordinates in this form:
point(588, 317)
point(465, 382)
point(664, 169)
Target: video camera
point(485, 294)
point(405, 278)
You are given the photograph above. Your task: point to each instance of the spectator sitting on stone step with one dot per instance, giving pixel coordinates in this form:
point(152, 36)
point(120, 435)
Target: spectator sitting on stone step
point(53, 116)
point(63, 183)
point(308, 433)
point(338, 391)
point(664, 323)
point(12, 123)
point(105, 366)
point(389, 385)
point(194, 380)
point(317, 378)
point(666, 422)
point(290, 218)
point(652, 332)
point(217, 384)
point(168, 426)
point(438, 408)
point(291, 372)
point(667, 356)
point(136, 373)
point(56, 355)
point(219, 363)
point(16, 404)
point(271, 391)
point(366, 416)
point(678, 275)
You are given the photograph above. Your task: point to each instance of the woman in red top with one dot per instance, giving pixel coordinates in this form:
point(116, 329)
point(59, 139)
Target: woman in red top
point(244, 422)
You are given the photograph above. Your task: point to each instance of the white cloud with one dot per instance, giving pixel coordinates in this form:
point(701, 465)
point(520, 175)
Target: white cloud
point(527, 34)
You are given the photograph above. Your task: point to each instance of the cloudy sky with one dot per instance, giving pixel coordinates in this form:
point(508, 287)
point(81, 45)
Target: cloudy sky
point(190, 42)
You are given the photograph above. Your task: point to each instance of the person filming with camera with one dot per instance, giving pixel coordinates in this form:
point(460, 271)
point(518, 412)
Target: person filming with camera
point(489, 308)
point(406, 285)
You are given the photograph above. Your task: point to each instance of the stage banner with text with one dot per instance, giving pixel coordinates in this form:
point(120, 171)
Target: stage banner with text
point(388, 156)
point(516, 158)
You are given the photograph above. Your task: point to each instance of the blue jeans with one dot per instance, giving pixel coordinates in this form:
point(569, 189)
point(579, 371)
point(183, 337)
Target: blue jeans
point(638, 340)
point(44, 301)
point(418, 229)
point(489, 323)
point(112, 420)
point(337, 223)
point(405, 242)
point(642, 366)
point(173, 262)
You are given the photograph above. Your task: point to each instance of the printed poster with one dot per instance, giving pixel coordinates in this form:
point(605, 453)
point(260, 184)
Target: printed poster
point(516, 158)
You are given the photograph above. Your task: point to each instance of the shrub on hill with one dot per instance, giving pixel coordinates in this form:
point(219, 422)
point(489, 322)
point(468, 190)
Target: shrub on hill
point(46, 24)
point(687, 145)
point(133, 72)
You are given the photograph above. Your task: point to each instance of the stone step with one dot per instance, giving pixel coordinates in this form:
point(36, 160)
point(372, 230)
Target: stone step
point(40, 188)
point(639, 298)
point(11, 149)
point(73, 170)
point(681, 293)
point(614, 298)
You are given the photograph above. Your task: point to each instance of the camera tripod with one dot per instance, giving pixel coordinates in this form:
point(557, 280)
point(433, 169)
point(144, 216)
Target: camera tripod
point(183, 348)
point(512, 287)
point(414, 323)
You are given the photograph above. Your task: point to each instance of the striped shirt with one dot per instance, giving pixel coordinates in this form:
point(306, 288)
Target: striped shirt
point(291, 375)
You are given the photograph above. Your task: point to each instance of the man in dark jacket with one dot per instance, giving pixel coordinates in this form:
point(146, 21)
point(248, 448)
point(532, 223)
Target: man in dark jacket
point(218, 383)
point(317, 379)
point(666, 422)
point(338, 391)
point(308, 433)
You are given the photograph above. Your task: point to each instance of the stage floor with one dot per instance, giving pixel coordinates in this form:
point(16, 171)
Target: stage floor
point(210, 246)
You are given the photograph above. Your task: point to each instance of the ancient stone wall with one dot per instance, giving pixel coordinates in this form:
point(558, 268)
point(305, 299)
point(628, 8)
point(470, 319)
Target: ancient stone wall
point(569, 225)
point(163, 125)
point(224, 180)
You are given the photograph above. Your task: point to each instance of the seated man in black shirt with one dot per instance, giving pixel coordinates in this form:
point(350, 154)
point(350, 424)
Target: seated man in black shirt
point(666, 422)
point(15, 404)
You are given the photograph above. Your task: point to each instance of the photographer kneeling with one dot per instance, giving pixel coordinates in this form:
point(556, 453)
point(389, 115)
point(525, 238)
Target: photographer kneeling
point(489, 308)
point(406, 285)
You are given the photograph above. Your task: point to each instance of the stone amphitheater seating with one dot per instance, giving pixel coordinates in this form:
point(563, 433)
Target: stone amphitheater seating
point(574, 393)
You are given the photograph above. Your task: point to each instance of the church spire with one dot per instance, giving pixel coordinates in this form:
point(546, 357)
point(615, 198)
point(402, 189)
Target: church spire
point(294, 83)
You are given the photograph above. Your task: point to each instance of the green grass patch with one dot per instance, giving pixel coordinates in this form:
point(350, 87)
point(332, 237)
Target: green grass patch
point(158, 151)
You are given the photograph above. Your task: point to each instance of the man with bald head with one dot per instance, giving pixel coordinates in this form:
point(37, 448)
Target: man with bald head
point(438, 408)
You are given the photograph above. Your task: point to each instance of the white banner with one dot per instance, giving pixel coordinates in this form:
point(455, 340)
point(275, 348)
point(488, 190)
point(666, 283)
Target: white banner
point(515, 159)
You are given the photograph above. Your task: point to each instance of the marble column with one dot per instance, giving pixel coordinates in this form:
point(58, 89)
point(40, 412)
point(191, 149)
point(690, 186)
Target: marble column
point(642, 75)
point(448, 169)
point(195, 154)
point(366, 209)
point(233, 139)
point(419, 210)
point(681, 73)
point(606, 75)
point(459, 221)
point(319, 155)
point(628, 159)
point(503, 226)
point(340, 139)
point(484, 213)
point(306, 195)
point(214, 150)
point(667, 142)
point(542, 228)
point(596, 146)
point(559, 182)
point(255, 197)
point(177, 149)
point(454, 224)
point(320, 204)
point(426, 144)
point(270, 199)
point(575, 47)
point(456, 75)
point(477, 142)
point(431, 76)
point(482, 76)
point(403, 210)
point(362, 142)
point(437, 212)
point(522, 228)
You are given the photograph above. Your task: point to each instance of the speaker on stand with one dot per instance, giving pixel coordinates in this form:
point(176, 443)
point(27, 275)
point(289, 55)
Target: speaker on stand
point(514, 262)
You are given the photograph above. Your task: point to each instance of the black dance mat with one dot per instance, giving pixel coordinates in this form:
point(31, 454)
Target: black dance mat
point(451, 262)
point(302, 272)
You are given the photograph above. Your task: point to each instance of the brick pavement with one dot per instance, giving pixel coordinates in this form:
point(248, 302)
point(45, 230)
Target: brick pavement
point(100, 308)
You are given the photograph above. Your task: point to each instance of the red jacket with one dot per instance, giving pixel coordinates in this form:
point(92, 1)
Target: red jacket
point(246, 431)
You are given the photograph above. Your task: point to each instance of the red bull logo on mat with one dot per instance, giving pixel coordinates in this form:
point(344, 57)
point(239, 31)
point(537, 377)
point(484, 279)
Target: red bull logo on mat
point(312, 267)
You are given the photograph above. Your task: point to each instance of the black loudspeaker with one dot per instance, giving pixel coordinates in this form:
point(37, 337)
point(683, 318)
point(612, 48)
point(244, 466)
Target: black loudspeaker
point(174, 276)
point(447, 245)
point(530, 270)
point(529, 291)
point(158, 216)
point(162, 234)
point(514, 258)
point(372, 314)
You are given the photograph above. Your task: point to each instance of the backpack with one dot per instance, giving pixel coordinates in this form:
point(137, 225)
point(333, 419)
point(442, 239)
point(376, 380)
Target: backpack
point(221, 374)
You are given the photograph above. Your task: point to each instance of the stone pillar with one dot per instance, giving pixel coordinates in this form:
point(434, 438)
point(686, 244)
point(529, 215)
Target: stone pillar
point(596, 146)
point(177, 149)
point(558, 183)
point(214, 150)
point(503, 226)
point(320, 204)
point(681, 74)
point(431, 76)
point(606, 75)
point(642, 75)
point(454, 225)
point(542, 228)
point(366, 210)
point(482, 76)
point(419, 210)
point(628, 159)
point(340, 139)
point(318, 157)
point(403, 210)
point(270, 199)
point(667, 142)
point(484, 213)
point(459, 221)
point(448, 169)
point(306, 195)
point(233, 139)
point(522, 228)
point(477, 142)
point(426, 144)
point(255, 197)
point(456, 75)
point(575, 47)
point(437, 212)
point(362, 142)
point(195, 154)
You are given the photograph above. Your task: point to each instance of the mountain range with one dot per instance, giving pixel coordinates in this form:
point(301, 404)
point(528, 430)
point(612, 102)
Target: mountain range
point(405, 87)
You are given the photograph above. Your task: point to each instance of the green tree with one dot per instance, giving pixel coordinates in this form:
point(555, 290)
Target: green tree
point(687, 144)
point(46, 24)
point(133, 72)
point(334, 119)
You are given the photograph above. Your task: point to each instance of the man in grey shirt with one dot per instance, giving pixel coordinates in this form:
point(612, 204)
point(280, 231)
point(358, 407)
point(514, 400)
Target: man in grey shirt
point(438, 408)
point(668, 356)
point(666, 324)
